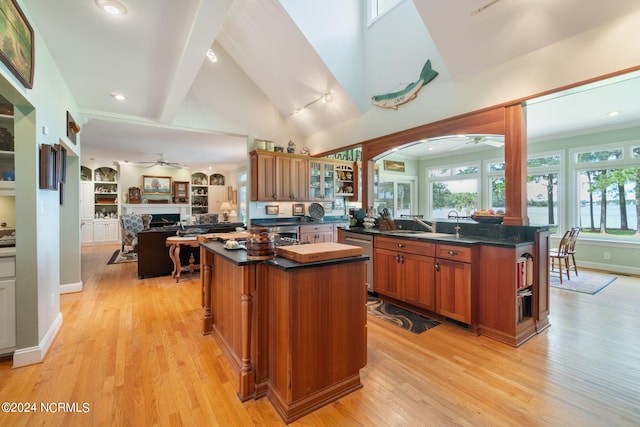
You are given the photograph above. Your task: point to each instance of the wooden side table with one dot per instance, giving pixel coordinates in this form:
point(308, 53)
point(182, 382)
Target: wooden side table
point(174, 243)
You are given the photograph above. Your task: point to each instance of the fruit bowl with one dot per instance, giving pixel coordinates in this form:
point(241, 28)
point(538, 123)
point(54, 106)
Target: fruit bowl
point(488, 218)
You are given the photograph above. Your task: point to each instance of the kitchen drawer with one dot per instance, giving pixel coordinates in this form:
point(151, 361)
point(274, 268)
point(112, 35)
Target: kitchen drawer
point(316, 228)
point(405, 245)
point(452, 252)
point(7, 266)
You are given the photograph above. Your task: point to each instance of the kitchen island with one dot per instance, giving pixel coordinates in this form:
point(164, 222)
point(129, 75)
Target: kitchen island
point(491, 278)
point(294, 332)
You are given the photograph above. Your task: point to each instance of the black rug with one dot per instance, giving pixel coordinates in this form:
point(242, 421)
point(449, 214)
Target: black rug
point(399, 316)
point(119, 257)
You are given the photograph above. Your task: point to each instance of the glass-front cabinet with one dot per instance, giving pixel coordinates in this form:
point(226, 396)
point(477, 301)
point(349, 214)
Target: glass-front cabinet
point(199, 193)
point(321, 180)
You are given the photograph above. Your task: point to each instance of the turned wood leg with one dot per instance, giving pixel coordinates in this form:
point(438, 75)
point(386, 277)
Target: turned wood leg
point(206, 290)
point(246, 369)
point(174, 254)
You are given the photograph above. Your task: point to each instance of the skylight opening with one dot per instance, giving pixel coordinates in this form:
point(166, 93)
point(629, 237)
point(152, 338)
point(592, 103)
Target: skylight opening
point(378, 8)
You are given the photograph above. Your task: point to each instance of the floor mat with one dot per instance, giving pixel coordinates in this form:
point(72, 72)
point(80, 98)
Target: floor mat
point(399, 316)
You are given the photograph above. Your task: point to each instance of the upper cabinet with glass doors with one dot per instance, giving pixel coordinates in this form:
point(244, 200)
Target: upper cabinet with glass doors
point(321, 180)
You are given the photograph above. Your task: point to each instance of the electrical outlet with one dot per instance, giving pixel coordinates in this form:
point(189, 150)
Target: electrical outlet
point(607, 255)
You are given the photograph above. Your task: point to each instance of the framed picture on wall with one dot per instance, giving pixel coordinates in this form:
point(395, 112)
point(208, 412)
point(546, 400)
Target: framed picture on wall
point(272, 209)
point(156, 184)
point(298, 209)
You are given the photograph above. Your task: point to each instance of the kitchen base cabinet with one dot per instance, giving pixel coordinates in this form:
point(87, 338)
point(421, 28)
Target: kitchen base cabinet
point(455, 289)
point(403, 270)
point(514, 304)
point(321, 233)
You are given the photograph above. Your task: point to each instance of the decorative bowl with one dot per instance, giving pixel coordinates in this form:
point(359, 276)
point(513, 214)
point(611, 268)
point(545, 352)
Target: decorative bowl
point(488, 219)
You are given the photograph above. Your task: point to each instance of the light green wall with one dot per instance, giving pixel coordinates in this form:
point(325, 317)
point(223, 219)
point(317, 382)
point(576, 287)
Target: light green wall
point(38, 213)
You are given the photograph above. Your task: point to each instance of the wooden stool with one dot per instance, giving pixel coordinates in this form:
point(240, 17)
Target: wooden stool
point(174, 243)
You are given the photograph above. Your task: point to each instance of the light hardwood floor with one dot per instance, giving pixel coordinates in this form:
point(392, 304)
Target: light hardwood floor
point(133, 351)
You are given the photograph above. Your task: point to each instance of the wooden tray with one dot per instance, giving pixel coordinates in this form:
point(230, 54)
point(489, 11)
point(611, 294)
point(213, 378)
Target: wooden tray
point(318, 251)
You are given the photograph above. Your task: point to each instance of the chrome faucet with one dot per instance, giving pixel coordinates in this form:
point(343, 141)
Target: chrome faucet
point(431, 228)
point(452, 214)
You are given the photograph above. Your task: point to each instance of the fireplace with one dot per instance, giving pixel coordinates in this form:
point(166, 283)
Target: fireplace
point(162, 219)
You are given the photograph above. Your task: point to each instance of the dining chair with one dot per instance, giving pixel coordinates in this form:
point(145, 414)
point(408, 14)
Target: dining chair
point(561, 254)
point(571, 249)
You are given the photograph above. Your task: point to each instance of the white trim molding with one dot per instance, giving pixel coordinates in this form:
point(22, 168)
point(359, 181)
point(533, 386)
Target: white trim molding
point(36, 354)
point(69, 288)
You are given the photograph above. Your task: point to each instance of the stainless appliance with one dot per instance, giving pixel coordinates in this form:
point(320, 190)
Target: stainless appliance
point(290, 231)
point(365, 241)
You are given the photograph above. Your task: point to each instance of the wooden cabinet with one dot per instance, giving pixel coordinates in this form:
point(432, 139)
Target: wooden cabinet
point(291, 182)
point(512, 308)
point(454, 283)
point(217, 194)
point(86, 200)
point(404, 270)
point(278, 177)
point(320, 233)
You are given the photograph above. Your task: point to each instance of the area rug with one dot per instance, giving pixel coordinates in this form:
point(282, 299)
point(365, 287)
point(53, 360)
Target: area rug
point(586, 282)
point(399, 316)
point(120, 257)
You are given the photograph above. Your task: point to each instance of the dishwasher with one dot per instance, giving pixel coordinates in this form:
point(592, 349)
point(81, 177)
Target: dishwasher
point(365, 241)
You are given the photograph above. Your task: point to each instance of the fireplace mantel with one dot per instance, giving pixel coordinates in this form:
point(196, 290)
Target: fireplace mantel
point(151, 208)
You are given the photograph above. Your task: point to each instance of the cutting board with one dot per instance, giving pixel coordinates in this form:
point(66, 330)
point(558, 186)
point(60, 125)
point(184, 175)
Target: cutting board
point(318, 251)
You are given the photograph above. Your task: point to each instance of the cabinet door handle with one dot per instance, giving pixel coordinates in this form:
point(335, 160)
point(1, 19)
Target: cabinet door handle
point(397, 258)
point(402, 259)
point(452, 253)
point(401, 245)
point(437, 267)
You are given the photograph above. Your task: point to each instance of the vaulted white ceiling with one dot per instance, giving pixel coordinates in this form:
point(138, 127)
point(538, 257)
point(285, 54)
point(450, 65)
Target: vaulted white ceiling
point(274, 56)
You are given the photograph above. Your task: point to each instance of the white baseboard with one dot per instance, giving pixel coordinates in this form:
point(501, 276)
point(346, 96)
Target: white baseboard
point(613, 268)
point(71, 287)
point(36, 354)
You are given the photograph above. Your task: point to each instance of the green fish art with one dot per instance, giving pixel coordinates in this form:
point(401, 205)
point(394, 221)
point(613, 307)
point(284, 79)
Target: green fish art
point(394, 99)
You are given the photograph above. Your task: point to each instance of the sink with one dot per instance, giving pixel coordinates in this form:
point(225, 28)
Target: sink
point(427, 235)
point(404, 231)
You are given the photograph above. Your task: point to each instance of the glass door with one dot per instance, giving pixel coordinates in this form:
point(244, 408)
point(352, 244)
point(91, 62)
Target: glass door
point(396, 196)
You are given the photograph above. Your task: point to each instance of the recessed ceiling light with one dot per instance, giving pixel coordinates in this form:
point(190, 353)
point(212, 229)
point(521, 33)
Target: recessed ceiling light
point(614, 113)
point(112, 7)
point(119, 96)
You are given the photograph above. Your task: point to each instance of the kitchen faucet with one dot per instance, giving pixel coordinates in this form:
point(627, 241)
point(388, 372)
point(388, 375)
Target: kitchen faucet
point(454, 213)
point(431, 228)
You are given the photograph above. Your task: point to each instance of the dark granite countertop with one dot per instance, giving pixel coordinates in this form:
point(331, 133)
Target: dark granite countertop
point(492, 237)
point(300, 220)
point(240, 258)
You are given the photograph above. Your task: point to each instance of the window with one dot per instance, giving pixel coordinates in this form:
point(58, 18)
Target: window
point(242, 198)
point(396, 196)
point(607, 193)
point(377, 8)
point(453, 188)
point(542, 189)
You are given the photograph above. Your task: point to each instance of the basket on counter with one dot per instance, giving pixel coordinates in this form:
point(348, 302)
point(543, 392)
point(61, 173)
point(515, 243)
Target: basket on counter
point(488, 219)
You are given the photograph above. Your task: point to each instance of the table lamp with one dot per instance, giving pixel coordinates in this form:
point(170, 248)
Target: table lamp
point(225, 207)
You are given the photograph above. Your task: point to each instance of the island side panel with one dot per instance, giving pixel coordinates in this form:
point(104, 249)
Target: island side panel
point(317, 335)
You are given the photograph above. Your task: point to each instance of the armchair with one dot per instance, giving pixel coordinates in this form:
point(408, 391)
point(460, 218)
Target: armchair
point(130, 226)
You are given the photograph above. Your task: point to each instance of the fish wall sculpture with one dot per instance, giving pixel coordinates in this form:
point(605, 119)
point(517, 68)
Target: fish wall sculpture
point(394, 99)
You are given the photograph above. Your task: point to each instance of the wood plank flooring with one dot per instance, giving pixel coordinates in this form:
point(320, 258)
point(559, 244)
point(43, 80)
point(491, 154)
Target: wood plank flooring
point(133, 351)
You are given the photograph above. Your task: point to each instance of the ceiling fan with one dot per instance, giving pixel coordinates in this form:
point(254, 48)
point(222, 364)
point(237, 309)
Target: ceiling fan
point(482, 8)
point(457, 142)
point(162, 161)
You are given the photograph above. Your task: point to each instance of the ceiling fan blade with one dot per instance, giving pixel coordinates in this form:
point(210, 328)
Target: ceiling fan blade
point(492, 142)
point(482, 8)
